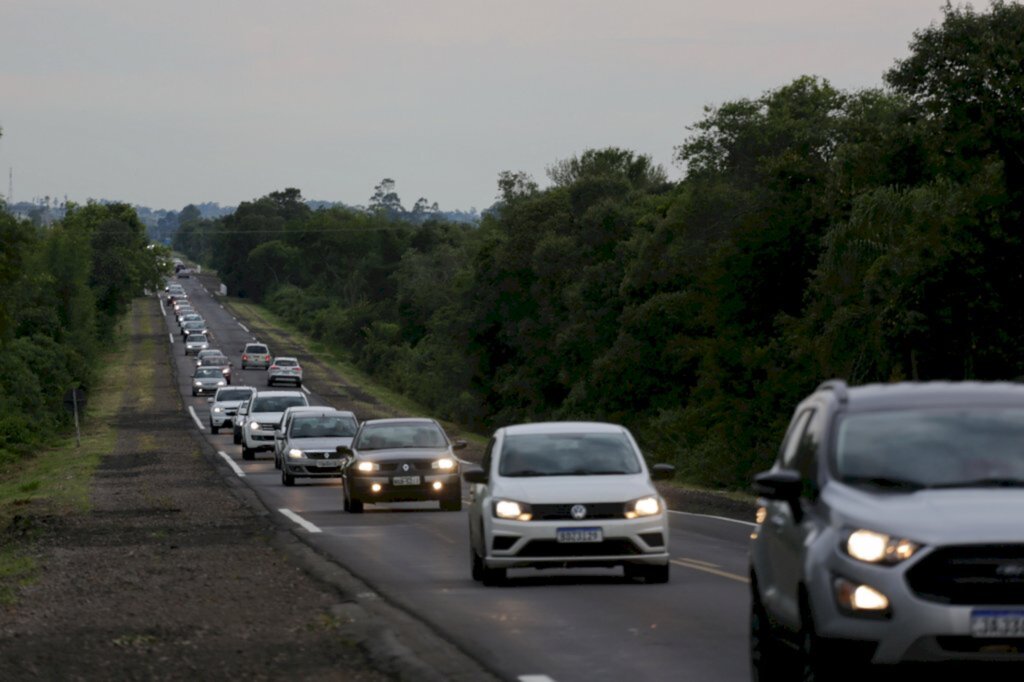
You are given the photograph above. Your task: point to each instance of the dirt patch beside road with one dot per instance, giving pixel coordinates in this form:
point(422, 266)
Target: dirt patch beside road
point(170, 575)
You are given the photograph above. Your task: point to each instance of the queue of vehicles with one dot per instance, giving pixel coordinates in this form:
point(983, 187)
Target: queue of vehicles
point(886, 533)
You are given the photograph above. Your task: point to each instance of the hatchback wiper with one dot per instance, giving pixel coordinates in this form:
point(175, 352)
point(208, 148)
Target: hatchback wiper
point(992, 482)
point(884, 482)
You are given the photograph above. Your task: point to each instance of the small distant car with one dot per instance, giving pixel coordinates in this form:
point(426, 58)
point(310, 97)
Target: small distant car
point(207, 380)
point(256, 355)
point(284, 370)
point(206, 353)
point(401, 460)
point(194, 327)
point(190, 316)
point(264, 417)
point(195, 343)
point(567, 494)
point(184, 273)
point(224, 405)
point(311, 442)
point(221, 362)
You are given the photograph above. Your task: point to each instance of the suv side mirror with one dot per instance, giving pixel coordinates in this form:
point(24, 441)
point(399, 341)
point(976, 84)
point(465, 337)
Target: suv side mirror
point(475, 475)
point(458, 445)
point(779, 484)
point(662, 472)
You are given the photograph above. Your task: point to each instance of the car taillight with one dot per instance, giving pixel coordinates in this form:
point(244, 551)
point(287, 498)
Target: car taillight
point(245, 357)
point(273, 367)
point(268, 358)
point(297, 368)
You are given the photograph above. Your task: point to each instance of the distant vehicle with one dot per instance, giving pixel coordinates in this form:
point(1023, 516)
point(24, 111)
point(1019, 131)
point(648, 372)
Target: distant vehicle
point(206, 353)
point(284, 370)
point(190, 316)
point(311, 442)
point(890, 531)
point(255, 355)
point(195, 343)
point(240, 416)
point(567, 494)
point(184, 273)
point(401, 460)
point(286, 417)
point(221, 362)
point(207, 380)
point(264, 416)
point(193, 327)
point(224, 404)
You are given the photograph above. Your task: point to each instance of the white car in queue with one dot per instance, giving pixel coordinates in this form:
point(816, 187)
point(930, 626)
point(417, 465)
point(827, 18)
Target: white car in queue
point(224, 405)
point(566, 495)
point(264, 417)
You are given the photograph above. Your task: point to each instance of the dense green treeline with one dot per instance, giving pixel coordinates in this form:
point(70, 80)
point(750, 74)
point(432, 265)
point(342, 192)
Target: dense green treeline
point(64, 287)
point(873, 235)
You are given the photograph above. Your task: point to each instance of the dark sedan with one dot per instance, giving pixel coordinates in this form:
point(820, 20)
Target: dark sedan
point(401, 460)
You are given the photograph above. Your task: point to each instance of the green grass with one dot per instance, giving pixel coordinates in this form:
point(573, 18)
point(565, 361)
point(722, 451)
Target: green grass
point(16, 570)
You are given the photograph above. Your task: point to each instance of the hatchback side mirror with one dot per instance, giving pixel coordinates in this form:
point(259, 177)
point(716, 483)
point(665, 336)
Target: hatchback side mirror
point(662, 472)
point(459, 445)
point(475, 475)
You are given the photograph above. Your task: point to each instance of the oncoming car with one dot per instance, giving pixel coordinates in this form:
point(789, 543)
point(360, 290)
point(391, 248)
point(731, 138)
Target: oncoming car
point(264, 417)
point(311, 442)
point(401, 460)
point(563, 495)
point(207, 380)
point(224, 405)
point(195, 343)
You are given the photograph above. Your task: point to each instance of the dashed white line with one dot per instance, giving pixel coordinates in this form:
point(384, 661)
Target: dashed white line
point(231, 463)
point(689, 563)
point(306, 390)
point(171, 337)
point(162, 308)
point(535, 678)
point(195, 418)
point(299, 520)
point(709, 516)
point(244, 328)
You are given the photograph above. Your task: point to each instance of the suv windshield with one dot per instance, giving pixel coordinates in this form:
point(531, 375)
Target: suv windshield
point(568, 454)
point(328, 426)
point(940, 448)
point(276, 403)
point(387, 436)
point(234, 394)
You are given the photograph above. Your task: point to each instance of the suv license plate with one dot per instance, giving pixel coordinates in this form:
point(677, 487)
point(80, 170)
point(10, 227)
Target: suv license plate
point(573, 535)
point(997, 623)
point(405, 480)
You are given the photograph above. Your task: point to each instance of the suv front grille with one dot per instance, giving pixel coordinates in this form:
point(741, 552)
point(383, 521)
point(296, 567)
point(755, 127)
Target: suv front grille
point(971, 574)
point(563, 512)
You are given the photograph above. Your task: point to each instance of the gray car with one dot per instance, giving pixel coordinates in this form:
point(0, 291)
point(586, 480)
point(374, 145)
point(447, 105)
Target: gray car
point(311, 441)
point(207, 380)
point(891, 531)
point(195, 343)
point(255, 355)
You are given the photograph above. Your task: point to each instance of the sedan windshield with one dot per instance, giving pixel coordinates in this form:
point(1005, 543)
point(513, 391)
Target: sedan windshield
point(568, 454)
point(387, 436)
point(208, 372)
point(196, 338)
point(323, 427)
point(233, 395)
point(277, 403)
point(909, 450)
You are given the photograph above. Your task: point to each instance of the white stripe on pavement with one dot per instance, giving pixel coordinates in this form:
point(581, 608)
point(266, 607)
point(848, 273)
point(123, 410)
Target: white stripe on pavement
point(171, 337)
point(163, 310)
point(299, 520)
point(195, 418)
point(709, 516)
point(306, 390)
point(535, 678)
point(244, 328)
point(231, 463)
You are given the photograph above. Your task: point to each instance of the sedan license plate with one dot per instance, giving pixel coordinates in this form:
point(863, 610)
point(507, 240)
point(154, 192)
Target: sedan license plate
point(405, 480)
point(997, 623)
point(574, 535)
point(327, 463)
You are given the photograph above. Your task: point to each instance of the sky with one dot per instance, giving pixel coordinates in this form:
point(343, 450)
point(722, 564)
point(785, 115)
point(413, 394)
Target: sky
point(163, 104)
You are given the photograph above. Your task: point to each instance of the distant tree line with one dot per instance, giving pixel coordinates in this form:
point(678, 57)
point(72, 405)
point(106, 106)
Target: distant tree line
point(65, 286)
point(873, 235)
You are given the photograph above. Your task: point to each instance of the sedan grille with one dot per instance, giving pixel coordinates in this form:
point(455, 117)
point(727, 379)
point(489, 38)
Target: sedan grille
point(971, 574)
point(553, 548)
point(563, 512)
point(400, 467)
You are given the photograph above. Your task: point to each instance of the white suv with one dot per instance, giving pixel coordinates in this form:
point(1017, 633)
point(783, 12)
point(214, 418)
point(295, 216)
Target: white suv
point(566, 494)
point(224, 404)
point(264, 417)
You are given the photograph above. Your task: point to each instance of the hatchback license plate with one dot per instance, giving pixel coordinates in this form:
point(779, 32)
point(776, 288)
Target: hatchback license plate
point(997, 623)
point(574, 535)
point(405, 480)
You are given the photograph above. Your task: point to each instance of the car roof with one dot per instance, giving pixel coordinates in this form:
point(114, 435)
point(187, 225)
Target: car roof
point(318, 409)
point(399, 420)
point(285, 357)
point(927, 394)
point(261, 394)
point(251, 389)
point(255, 343)
point(562, 427)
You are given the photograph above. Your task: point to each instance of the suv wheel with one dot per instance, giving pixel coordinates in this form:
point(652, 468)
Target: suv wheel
point(247, 453)
point(236, 437)
point(492, 577)
point(214, 429)
point(476, 565)
point(817, 658)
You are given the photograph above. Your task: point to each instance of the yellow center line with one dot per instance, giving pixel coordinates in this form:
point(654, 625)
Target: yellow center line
point(699, 562)
point(713, 571)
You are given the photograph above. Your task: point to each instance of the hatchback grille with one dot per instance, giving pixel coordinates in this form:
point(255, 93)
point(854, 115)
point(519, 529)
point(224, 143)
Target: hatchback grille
point(560, 512)
point(553, 548)
point(971, 574)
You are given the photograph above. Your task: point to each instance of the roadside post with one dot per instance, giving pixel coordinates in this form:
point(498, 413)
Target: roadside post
point(73, 401)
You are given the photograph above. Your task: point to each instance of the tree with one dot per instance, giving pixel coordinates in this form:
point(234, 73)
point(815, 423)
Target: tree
point(385, 199)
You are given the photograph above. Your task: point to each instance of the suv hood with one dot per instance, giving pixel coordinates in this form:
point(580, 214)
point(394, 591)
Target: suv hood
point(566, 489)
point(946, 516)
point(265, 417)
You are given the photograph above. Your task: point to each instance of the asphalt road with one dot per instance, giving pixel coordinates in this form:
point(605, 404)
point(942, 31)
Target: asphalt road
point(553, 625)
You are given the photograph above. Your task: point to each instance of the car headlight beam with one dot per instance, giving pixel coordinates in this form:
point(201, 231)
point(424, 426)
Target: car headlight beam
point(645, 506)
point(367, 467)
point(295, 453)
point(515, 511)
point(446, 464)
point(878, 548)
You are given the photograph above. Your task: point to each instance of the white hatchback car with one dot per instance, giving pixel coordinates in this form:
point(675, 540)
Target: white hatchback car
point(566, 494)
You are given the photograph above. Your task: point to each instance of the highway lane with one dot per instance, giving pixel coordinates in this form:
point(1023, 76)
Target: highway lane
point(589, 625)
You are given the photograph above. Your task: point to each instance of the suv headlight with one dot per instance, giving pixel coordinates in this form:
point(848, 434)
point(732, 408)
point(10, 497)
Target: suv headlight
point(508, 509)
point(254, 426)
point(446, 464)
point(295, 453)
point(367, 467)
point(645, 506)
point(878, 548)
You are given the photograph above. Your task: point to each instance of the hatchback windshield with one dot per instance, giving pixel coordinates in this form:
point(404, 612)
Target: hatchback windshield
point(276, 403)
point(328, 426)
point(196, 338)
point(568, 454)
point(233, 395)
point(256, 349)
point(386, 436)
point(206, 372)
point(962, 447)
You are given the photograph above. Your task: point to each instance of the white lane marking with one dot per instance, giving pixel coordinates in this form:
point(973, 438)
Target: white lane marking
point(162, 308)
point(713, 571)
point(306, 390)
point(535, 678)
point(709, 516)
point(299, 520)
point(244, 328)
point(231, 463)
point(195, 418)
point(171, 337)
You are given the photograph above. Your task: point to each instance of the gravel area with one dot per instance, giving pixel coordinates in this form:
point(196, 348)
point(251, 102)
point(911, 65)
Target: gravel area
point(170, 575)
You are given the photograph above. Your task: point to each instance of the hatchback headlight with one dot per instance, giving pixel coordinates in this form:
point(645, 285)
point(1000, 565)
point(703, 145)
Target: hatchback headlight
point(367, 467)
point(878, 548)
point(295, 453)
point(645, 506)
point(446, 464)
point(508, 509)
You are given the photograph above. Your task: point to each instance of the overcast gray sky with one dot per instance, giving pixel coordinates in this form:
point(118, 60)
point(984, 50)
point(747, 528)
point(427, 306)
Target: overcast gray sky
point(179, 101)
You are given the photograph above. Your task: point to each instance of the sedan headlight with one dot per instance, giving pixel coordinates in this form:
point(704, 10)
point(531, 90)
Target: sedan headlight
point(199, 383)
point(367, 467)
point(508, 509)
point(879, 548)
point(221, 382)
point(295, 453)
point(645, 506)
point(446, 464)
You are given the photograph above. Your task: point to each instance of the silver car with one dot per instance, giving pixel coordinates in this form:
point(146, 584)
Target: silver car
point(264, 417)
point(224, 404)
point(284, 370)
point(207, 380)
point(311, 441)
point(891, 531)
point(195, 343)
point(255, 355)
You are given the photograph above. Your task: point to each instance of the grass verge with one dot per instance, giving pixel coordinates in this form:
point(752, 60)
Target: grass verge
point(57, 480)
